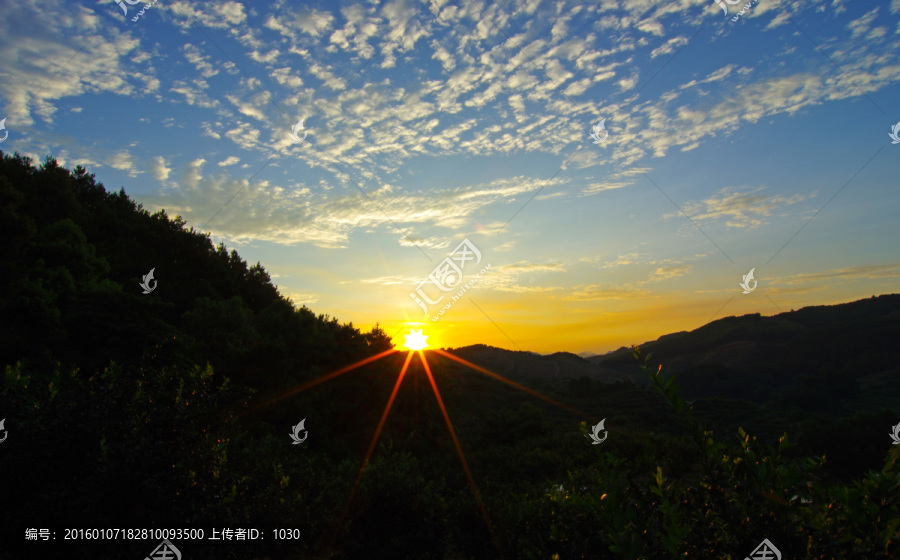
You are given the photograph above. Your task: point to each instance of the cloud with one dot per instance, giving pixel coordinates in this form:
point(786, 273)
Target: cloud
point(123, 161)
point(392, 280)
point(252, 108)
point(620, 260)
point(669, 46)
point(200, 62)
point(299, 299)
point(518, 277)
point(669, 272)
point(293, 213)
point(745, 210)
point(311, 21)
point(867, 272)
point(217, 15)
point(191, 175)
point(600, 187)
point(159, 169)
point(427, 242)
point(594, 292)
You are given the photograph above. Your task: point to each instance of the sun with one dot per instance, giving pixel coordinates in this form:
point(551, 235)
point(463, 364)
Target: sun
point(415, 340)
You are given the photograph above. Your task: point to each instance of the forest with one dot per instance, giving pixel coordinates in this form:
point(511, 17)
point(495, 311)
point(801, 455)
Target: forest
point(175, 409)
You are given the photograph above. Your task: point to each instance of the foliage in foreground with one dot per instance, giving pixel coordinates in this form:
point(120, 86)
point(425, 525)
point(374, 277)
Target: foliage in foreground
point(738, 496)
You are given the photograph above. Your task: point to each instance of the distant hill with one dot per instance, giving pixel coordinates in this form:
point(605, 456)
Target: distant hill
point(528, 365)
point(753, 357)
point(830, 358)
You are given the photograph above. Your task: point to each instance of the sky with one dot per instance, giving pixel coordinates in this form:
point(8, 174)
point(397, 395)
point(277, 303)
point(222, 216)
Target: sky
point(590, 174)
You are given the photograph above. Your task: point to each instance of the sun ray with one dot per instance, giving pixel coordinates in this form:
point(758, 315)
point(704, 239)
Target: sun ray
point(313, 382)
point(416, 343)
point(362, 469)
point(462, 456)
point(514, 384)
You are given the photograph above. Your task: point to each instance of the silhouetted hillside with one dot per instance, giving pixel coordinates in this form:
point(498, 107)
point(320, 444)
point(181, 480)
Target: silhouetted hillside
point(758, 358)
point(71, 263)
point(528, 365)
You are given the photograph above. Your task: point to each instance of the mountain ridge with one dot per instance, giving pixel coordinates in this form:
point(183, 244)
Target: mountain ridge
point(749, 357)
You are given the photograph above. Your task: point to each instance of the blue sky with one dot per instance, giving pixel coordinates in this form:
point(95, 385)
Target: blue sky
point(428, 123)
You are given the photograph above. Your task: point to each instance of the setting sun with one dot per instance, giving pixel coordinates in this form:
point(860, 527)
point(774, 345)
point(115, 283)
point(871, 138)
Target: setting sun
point(415, 340)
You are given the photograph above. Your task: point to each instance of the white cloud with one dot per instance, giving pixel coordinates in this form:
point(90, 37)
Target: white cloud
point(219, 15)
point(746, 210)
point(159, 169)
